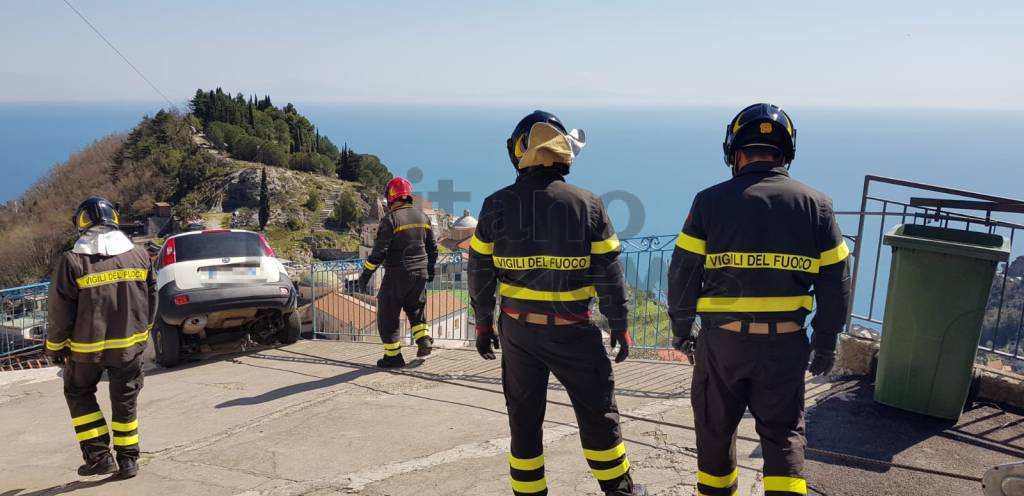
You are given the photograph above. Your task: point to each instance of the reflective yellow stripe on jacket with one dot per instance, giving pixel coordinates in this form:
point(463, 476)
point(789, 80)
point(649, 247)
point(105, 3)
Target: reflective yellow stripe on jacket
point(98, 346)
point(411, 226)
point(481, 247)
point(110, 277)
point(691, 244)
point(521, 293)
point(755, 304)
point(605, 246)
point(835, 255)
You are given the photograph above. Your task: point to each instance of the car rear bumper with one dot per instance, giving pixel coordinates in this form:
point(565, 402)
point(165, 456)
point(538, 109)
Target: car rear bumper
point(220, 298)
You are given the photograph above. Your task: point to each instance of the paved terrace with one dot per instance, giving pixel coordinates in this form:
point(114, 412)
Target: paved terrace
point(315, 418)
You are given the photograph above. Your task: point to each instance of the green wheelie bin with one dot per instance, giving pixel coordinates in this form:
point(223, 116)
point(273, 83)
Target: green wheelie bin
point(939, 285)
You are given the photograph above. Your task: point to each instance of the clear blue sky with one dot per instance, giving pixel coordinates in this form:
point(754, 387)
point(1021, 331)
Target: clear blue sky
point(867, 53)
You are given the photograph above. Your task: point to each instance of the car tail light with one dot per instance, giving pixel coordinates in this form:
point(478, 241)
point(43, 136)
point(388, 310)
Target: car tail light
point(266, 247)
point(181, 299)
point(170, 255)
point(209, 231)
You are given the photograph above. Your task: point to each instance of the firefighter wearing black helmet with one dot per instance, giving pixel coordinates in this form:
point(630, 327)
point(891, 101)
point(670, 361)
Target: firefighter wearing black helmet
point(754, 254)
point(547, 248)
point(101, 306)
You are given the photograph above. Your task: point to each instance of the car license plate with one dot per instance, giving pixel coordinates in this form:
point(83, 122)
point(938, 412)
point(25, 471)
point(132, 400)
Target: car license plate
point(228, 274)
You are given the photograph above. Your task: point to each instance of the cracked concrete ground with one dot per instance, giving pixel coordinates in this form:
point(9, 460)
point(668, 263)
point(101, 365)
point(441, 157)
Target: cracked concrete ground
point(315, 418)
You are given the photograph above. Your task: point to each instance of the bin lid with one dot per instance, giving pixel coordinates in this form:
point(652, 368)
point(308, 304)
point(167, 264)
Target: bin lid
point(972, 244)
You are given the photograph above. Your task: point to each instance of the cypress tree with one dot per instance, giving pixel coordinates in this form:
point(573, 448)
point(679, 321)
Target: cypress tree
point(264, 214)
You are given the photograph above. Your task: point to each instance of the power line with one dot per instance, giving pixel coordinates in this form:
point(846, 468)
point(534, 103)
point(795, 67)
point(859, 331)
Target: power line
point(114, 48)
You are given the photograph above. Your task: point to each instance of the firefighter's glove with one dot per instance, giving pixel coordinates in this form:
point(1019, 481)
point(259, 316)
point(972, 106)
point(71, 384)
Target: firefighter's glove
point(60, 356)
point(685, 344)
point(822, 362)
point(486, 342)
point(622, 340)
point(364, 281)
point(824, 356)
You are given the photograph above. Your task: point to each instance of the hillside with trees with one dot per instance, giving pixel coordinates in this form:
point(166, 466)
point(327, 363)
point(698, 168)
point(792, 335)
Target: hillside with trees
point(271, 171)
point(254, 130)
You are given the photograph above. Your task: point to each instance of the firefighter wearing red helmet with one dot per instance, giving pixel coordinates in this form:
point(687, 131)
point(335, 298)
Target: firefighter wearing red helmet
point(405, 246)
point(754, 254)
point(548, 249)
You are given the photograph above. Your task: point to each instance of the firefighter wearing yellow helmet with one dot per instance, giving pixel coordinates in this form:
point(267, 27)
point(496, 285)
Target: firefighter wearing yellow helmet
point(547, 248)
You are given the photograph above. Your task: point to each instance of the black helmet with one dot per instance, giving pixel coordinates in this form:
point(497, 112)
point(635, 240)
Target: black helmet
point(761, 124)
point(95, 211)
point(519, 141)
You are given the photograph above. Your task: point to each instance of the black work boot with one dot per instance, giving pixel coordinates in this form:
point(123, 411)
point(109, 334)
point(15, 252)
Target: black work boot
point(426, 345)
point(391, 362)
point(128, 466)
point(101, 466)
point(638, 490)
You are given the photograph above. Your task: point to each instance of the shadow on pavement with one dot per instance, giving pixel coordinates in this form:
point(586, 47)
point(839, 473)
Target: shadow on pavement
point(64, 488)
point(289, 390)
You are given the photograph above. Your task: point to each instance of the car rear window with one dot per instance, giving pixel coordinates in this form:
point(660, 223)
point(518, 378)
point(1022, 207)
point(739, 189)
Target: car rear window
point(218, 245)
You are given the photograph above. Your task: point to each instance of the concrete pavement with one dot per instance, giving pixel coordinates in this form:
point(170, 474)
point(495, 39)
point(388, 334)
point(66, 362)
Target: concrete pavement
point(315, 418)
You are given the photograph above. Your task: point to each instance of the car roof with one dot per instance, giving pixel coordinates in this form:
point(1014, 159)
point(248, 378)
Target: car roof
point(212, 231)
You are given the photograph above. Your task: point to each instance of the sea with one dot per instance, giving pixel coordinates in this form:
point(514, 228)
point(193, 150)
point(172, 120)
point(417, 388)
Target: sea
point(646, 162)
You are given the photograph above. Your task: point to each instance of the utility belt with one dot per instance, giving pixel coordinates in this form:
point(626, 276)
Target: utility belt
point(769, 328)
point(542, 318)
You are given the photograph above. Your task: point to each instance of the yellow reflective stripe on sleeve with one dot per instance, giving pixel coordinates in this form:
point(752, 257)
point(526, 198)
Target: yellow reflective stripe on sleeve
point(781, 261)
point(835, 255)
point(481, 247)
point(606, 246)
point(126, 440)
point(612, 473)
point(92, 433)
point(85, 419)
point(369, 266)
point(546, 262)
point(755, 304)
point(411, 226)
point(785, 484)
point(718, 481)
point(111, 276)
point(691, 244)
point(526, 463)
point(605, 455)
point(584, 293)
point(52, 346)
point(393, 346)
point(125, 426)
point(528, 487)
point(110, 344)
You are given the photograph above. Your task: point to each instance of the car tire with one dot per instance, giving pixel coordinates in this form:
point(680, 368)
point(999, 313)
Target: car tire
point(292, 328)
point(166, 344)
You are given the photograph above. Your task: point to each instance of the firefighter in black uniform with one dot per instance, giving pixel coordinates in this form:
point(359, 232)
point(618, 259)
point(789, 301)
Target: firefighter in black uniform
point(750, 252)
point(102, 304)
point(405, 245)
point(548, 248)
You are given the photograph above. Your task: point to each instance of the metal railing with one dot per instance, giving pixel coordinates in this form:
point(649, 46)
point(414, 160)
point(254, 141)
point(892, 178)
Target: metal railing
point(338, 312)
point(892, 203)
point(23, 318)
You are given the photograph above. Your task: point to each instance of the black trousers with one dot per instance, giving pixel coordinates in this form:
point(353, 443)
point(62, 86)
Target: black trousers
point(80, 380)
point(401, 290)
point(576, 355)
point(734, 372)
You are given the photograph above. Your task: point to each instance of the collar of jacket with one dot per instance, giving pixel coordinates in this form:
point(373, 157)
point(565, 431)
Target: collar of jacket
point(763, 166)
point(538, 176)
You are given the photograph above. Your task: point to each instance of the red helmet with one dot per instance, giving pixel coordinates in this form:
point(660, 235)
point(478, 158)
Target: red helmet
point(398, 188)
